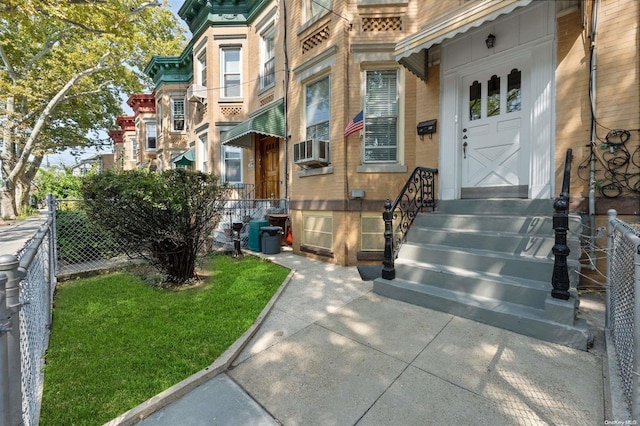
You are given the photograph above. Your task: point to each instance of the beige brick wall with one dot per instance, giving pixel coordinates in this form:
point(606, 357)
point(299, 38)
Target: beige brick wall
point(617, 96)
point(618, 104)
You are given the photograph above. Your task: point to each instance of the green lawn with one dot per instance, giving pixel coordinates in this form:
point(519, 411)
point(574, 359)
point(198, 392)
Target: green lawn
point(117, 341)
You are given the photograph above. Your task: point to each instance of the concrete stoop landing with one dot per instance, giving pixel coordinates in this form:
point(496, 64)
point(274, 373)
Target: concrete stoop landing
point(491, 261)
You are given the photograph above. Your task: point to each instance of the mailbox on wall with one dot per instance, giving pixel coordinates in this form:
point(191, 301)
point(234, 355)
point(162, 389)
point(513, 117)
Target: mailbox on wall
point(427, 127)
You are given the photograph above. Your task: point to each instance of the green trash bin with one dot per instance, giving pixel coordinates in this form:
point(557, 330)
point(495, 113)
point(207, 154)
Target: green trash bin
point(254, 242)
point(270, 236)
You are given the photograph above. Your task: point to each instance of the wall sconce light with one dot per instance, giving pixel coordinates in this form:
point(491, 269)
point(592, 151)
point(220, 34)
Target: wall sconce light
point(491, 40)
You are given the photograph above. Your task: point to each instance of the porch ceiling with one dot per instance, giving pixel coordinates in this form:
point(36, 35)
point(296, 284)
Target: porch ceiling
point(411, 52)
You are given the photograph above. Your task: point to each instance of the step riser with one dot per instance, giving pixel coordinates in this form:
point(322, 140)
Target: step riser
point(527, 268)
point(525, 246)
point(574, 337)
point(499, 207)
point(513, 224)
point(484, 287)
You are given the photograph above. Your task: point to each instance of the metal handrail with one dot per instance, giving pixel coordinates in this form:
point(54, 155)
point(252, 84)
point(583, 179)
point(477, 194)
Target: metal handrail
point(417, 194)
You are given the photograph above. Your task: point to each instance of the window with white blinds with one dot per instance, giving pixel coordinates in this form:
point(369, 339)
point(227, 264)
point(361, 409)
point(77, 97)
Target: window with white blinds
point(381, 116)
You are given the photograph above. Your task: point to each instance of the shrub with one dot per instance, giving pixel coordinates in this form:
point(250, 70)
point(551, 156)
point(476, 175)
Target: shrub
point(162, 217)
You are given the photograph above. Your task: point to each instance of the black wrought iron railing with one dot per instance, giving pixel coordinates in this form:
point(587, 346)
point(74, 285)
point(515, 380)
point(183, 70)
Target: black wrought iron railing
point(417, 195)
point(560, 277)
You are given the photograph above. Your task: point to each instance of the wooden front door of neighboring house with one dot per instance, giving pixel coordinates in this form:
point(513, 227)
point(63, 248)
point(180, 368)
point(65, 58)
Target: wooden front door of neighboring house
point(495, 121)
point(268, 185)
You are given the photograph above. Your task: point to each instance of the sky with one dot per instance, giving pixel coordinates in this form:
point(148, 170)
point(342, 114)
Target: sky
point(68, 158)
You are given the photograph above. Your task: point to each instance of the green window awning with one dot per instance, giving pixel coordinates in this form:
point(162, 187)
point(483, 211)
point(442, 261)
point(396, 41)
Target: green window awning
point(267, 121)
point(185, 159)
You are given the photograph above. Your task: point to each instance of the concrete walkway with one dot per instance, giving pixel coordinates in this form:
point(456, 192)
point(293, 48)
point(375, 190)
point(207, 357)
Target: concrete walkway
point(15, 233)
point(331, 352)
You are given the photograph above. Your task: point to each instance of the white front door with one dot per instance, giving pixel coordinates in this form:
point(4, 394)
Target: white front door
point(494, 127)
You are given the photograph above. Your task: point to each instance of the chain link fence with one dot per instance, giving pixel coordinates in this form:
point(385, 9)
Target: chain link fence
point(81, 245)
point(27, 285)
point(623, 306)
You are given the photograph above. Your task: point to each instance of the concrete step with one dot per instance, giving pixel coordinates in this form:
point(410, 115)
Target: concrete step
point(529, 225)
point(513, 265)
point(502, 242)
point(501, 206)
point(485, 284)
point(526, 320)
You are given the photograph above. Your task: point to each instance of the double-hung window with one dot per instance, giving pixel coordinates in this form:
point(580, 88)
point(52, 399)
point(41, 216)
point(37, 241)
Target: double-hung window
point(134, 149)
point(177, 115)
point(203, 152)
point(232, 164)
point(381, 116)
point(268, 66)
point(231, 75)
point(318, 109)
point(151, 136)
point(202, 67)
point(159, 116)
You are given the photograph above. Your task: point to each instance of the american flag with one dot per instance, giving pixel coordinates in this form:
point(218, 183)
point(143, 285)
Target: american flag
point(354, 125)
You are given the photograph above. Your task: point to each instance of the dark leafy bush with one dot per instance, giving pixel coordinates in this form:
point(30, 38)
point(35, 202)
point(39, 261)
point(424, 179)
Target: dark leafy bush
point(162, 217)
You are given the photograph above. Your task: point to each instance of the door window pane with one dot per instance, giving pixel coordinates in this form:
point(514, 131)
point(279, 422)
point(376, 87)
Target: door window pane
point(493, 96)
point(514, 91)
point(475, 101)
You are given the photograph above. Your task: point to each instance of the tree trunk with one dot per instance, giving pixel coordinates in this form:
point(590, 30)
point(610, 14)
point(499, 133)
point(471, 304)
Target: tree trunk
point(7, 201)
point(23, 184)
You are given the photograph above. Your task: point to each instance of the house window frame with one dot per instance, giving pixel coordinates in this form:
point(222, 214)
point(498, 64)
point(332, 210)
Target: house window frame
point(371, 239)
point(225, 159)
point(133, 140)
point(175, 117)
point(148, 125)
point(368, 117)
point(399, 165)
point(267, 57)
point(223, 72)
point(202, 152)
point(201, 59)
point(310, 236)
point(159, 117)
point(308, 125)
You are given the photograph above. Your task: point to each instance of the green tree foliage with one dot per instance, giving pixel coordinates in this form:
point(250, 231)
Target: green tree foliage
point(63, 66)
point(162, 217)
point(62, 183)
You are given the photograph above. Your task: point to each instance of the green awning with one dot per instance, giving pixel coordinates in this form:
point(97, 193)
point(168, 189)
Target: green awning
point(267, 121)
point(185, 159)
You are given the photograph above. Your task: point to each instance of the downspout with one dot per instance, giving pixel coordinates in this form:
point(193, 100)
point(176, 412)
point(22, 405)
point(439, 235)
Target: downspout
point(285, 102)
point(593, 136)
point(346, 148)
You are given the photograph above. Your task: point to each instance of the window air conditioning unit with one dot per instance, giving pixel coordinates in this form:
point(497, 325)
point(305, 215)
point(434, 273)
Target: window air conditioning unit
point(197, 93)
point(311, 153)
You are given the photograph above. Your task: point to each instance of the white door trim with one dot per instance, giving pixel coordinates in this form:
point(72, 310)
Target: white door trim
point(540, 136)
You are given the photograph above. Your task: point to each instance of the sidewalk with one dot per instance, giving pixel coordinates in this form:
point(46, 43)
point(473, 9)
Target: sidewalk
point(15, 234)
point(331, 352)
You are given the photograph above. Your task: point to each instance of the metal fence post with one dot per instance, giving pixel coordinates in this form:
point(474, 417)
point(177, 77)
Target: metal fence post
point(612, 214)
point(52, 204)
point(635, 397)
point(9, 266)
point(5, 326)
